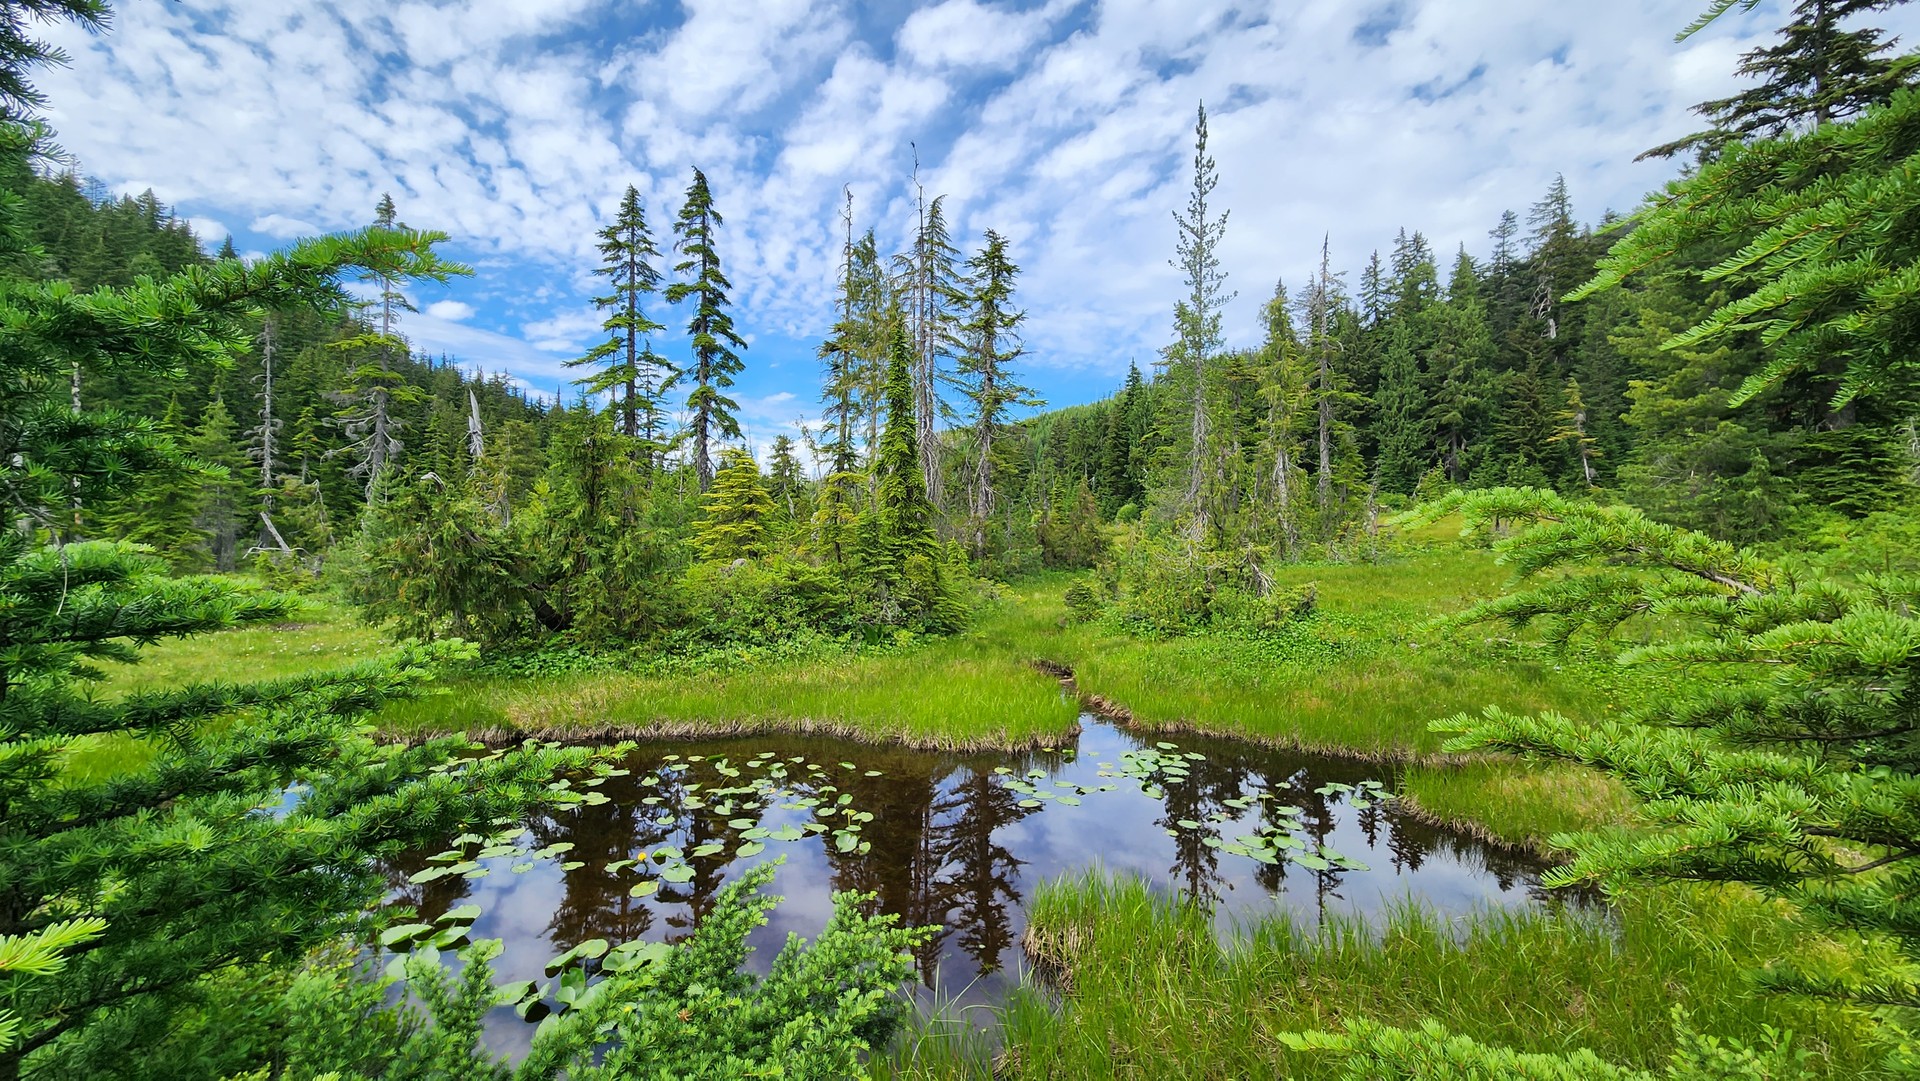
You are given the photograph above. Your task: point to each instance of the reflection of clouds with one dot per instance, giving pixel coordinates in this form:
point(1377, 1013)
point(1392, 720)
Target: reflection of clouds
point(952, 850)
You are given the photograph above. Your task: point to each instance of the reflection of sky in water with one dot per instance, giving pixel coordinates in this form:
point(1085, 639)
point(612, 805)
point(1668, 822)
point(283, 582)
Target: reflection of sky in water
point(951, 845)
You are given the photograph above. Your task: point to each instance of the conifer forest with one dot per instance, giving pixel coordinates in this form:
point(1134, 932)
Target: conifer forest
point(1487, 658)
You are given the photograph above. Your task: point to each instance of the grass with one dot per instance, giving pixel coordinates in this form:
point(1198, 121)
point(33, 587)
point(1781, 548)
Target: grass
point(962, 692)
point(322, 635)
point(1150, 993)
point(1512, 803)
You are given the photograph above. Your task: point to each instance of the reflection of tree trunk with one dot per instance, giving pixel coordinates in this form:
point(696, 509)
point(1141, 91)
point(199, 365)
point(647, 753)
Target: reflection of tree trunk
point(597, 903)
point(1209, 784)
point(980, 885)
point(899, 866)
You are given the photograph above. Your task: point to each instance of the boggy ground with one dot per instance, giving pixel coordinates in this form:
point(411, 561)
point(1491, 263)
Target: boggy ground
point(1144, 989)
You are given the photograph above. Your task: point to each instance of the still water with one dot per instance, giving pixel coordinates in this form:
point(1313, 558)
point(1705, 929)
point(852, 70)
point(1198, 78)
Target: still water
point(959, 840)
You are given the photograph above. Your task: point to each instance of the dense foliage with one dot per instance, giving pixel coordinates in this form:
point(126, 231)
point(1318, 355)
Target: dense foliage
point(656, 1011)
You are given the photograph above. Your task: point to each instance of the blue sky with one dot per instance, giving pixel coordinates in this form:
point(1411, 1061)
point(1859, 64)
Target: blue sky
point(514, 125)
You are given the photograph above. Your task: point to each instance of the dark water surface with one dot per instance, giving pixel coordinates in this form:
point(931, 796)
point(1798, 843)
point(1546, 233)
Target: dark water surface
point(960, 840)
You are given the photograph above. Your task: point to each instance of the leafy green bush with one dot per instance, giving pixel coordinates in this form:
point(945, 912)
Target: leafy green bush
point(1163, 592)
point(757, 602)
point(682, 1012)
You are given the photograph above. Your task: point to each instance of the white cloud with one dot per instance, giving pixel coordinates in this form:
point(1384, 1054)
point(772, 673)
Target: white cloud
point(564, 332)
point(515, 125)
point(965, 33)
point(282, 227)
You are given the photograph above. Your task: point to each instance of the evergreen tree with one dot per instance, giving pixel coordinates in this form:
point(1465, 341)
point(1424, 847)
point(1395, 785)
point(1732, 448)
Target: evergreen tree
point(1119, 480)
point(1287, 393)
point(985, 343)
point(715, 344)
point(1825, 266)
point(1797, 784)
point(1571, 432)
point(1817, 73)
point(1197, 318)
point(786, 482)
point(734, 513)
point(222, 491)
point(1459, 364)
point(839, 355)
point(593, 573)
point(932, 292)
point(1405, 443)
point(901, 553)
point(376, 389)
point(1376, 293)
point(1320, 307)
point(626, 362)
point(162, 512)
point(21, 52)
point(434, 557)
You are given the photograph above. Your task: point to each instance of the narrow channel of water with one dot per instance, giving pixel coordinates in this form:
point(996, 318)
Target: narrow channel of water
point(959, 840)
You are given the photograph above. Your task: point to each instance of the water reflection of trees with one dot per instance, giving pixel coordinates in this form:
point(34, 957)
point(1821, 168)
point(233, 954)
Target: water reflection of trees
point(979, 880)
point(940, 848)
point(596, 902)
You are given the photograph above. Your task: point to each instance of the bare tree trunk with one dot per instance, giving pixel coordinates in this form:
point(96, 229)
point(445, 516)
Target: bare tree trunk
point(1197, 461)
point(476, 437)
point(1283, 500)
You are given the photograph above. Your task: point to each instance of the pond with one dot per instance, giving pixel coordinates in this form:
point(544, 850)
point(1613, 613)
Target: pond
point(958, 840)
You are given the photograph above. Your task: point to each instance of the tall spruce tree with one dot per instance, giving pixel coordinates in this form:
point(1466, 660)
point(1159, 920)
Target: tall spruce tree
point(715, 343)
point(1197, 318)
point(132, 887)
point(931, 292)
point(905, 546)
point(1320, 306)
point(984, 344)
point(1406, 446)
point(840, 389)
point(626, 364)
point(375, 389)
point(222, 491)
point(1286, 390)
point(1119, 481)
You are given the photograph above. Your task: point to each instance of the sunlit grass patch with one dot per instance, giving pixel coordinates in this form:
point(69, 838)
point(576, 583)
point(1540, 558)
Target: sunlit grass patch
point(936, 695)
point(1516, 803)
point(1147, 992)
point(321, 635)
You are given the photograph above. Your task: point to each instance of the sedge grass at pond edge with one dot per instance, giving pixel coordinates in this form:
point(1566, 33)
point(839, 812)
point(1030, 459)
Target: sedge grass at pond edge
point(1151, 993)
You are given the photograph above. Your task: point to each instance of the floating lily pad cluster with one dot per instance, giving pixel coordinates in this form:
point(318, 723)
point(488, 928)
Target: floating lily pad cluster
point(1029, 787)
point(746, 789)
point(1154, 767)
point(1359, 796)
point(1165, 764)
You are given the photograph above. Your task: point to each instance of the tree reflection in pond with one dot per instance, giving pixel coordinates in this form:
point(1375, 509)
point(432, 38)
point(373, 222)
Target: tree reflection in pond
point(960, 841)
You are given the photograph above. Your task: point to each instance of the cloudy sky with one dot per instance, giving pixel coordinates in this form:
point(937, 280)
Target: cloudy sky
point(514, 125)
